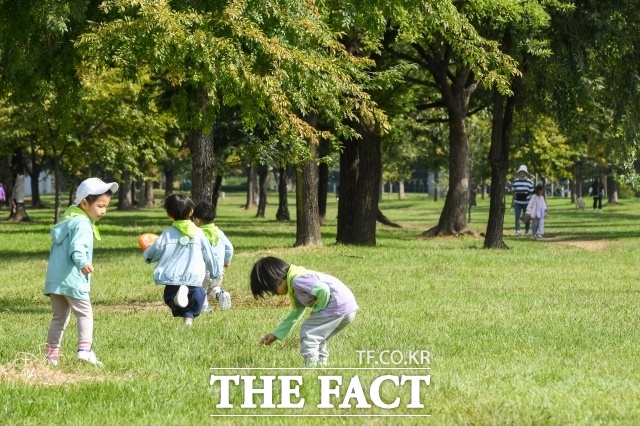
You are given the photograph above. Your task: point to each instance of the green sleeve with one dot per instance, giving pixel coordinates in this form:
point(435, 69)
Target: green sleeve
point(322, 294)
point(287, 324)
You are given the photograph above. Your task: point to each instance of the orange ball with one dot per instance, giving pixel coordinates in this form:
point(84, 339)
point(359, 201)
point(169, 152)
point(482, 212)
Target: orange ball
point(146, 240)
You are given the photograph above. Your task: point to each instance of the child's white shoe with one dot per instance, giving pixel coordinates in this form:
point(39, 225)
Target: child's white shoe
point(224, 299)
point(181, 299)
point(52, 362)
point(89, 356)
point(206, 306)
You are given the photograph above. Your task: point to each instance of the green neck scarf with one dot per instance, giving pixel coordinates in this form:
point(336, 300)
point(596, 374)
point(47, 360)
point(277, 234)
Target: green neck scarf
point(293, 272)
point(211, 232)
point(77, 211)
point(186, 227)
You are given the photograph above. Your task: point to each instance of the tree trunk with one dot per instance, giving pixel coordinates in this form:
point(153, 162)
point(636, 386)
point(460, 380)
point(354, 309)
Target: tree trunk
point(263, 174)
point(283, 203)
point(250, 179)
point(580, 178)
point(148, 193)
point(168, 178)
point(574, 183)
point(501, 126)
point(401, 195)
point(360, 177)
point(436, 186)
point(324, 150)
point(124, 195)
point(36, 203)
point(452, 219)
point(75, 182)
point(18, 210)
point(323, 189)
point(612, 186)
point(484, 188)
point(202, 156)
point(307, 216)
point(57, 173)
point(134, 192)
point(499, 160)
point(216, 189)
point(34, 173)
point(202, 165)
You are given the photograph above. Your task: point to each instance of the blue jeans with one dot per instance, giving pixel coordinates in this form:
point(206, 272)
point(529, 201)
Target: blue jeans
point(520, 210)
point(196, 297)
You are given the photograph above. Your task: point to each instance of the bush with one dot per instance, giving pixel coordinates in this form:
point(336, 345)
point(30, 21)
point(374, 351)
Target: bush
point(626, 191)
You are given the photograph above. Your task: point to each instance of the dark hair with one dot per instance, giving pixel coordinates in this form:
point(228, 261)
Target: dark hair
point(205, 211)
point(539, 187)
point(178, 206)
point(93, 197)
point(267, 274)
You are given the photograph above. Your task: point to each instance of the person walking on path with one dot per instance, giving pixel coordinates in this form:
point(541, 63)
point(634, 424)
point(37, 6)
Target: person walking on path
point(597, 192)
point(521, 191)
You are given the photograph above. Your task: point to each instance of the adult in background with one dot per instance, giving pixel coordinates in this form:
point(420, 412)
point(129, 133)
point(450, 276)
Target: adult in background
point(3, 196)
point(521, 191)
point(597, 192)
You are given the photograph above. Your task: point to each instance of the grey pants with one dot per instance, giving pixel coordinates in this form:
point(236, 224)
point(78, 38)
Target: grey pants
point(62, 308)
point(212, 285)
point(315, 332)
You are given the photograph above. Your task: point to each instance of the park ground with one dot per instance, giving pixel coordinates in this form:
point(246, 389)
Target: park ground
point(545, 333)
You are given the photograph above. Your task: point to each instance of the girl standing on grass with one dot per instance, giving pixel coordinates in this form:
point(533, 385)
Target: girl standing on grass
point(334, 306)
point(68, 280)
point(537, 209)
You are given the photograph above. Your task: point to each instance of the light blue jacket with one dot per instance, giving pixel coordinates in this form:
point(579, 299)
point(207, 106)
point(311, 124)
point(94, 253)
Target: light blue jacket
point(181, 264)
point(71, 250)
point(223, 251)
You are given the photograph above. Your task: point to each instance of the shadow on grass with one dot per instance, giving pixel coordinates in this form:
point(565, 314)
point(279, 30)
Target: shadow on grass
point(24, 306)
point(13, 256)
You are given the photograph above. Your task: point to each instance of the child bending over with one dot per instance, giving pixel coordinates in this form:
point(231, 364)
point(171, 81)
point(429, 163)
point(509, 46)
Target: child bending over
point(334, 306)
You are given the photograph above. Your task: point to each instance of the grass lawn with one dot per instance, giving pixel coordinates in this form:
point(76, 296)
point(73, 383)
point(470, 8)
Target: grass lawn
point(543, 333)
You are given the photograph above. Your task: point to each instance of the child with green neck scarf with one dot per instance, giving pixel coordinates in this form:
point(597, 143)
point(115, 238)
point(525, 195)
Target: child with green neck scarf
point(68, 280)
point(184, 257)
point(203, 216)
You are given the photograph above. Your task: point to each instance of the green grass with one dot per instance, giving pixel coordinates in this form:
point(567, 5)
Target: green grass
point(544, 333)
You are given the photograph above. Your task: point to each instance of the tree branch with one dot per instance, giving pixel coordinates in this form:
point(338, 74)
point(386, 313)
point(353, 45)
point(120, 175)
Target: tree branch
point(423, 53)
point(451, 76)
point(408, 58)
point(477, 110)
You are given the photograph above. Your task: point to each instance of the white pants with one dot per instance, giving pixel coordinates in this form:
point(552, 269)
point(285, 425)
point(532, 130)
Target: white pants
point(538, 226)
point(315, 332)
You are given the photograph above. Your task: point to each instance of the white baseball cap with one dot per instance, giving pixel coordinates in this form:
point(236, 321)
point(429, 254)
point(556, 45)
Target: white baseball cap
point(523, 168)
point(93, 186)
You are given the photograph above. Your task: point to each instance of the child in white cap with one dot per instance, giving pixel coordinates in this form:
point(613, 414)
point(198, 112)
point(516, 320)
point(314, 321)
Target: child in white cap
point(68, 280)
